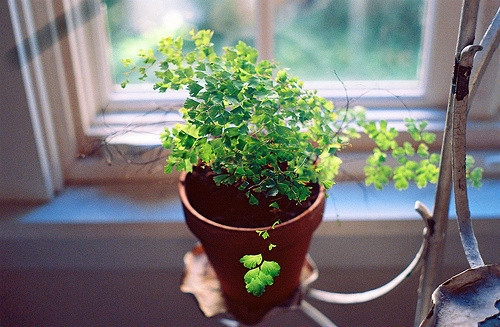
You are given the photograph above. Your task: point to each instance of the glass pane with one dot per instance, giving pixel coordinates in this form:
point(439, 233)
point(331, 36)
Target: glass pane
point(357, 39)
point(317, 39)
point(139, 24)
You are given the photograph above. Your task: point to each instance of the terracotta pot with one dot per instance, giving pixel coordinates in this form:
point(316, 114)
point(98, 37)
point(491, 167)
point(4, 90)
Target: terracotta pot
point(225, 245)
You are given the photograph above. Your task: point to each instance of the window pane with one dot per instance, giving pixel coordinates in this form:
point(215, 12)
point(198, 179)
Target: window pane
point(139, 24)
point(317, 39)
point(357, 39)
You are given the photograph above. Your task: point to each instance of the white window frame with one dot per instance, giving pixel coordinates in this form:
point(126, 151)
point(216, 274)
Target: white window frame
point(441, 18)
point(386, 94)
point(81, 87)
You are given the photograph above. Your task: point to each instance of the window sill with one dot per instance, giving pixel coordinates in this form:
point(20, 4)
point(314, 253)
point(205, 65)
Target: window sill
point(126, 145)
point(158, 202)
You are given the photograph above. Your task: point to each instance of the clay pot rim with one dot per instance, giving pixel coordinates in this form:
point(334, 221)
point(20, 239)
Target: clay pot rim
point(187, 204)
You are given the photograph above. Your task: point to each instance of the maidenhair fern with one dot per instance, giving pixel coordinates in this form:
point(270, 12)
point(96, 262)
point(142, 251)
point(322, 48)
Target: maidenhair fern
point(256, 126)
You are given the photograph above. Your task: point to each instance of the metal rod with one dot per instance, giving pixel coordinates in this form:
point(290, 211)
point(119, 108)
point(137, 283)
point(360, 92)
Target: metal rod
point(437, 234)
point(316, 315)
point(353, 298)
point(469, 241)
point(361, 297)
point(433, 258)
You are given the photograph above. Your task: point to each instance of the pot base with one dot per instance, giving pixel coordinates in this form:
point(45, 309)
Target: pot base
point(200, 280)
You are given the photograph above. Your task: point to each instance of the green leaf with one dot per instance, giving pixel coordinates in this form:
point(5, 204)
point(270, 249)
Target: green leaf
point(271, 268)
point(434, 158)
point(281, 76)
point(423, 150)
point(272, 192)
point(422, 125)
point(428, 137)
point(194, 89)
point(254, 285)
point(265, 279)
point(190, 103)
point(206, 153)
point(263, 233)
point(251, 260)
point(253, 273)
point(258, 277)
point(253, 200)
point(475, 177)
point(127, 62)
point(401, 184)
point(409, 151)
point(218, 179)
point(469, 161)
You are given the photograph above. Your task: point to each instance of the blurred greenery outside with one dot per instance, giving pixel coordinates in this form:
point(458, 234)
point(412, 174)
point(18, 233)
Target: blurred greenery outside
point(316, 39)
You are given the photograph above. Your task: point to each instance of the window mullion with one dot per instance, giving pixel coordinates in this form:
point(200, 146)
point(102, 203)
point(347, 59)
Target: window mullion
point(265, 29)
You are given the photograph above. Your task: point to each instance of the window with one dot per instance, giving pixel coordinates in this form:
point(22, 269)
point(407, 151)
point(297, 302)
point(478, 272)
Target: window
point(386, 53)
point(365, 44)
point(73, 46)
point(359, 40)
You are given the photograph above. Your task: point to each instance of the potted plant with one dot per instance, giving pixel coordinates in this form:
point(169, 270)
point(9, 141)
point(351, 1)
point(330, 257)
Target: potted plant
point(258, 152)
